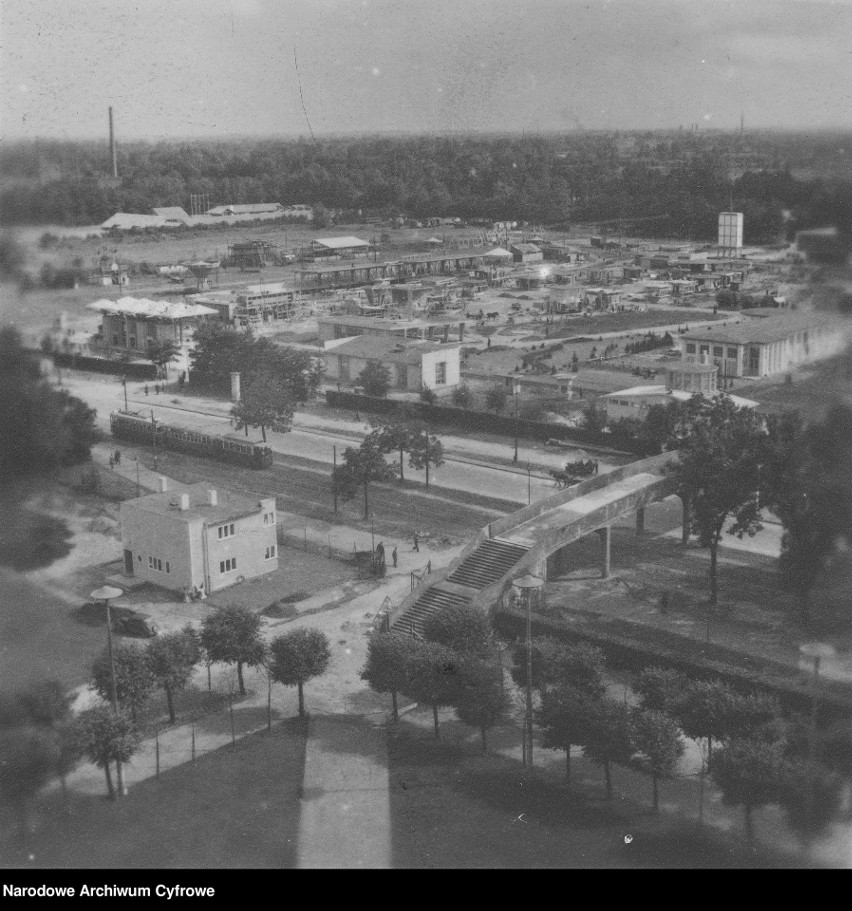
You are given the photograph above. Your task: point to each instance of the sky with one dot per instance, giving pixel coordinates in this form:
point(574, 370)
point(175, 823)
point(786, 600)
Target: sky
point(198, 68)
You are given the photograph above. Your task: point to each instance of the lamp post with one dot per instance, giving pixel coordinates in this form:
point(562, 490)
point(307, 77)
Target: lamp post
point(527, 584)
point(124, 383)
point(816, 651)
point(106, 594)
point(138, 487)
point(529, 483)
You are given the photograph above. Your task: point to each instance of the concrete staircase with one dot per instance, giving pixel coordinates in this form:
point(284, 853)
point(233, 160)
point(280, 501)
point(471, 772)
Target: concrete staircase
point(487, 564)
point(432, 601)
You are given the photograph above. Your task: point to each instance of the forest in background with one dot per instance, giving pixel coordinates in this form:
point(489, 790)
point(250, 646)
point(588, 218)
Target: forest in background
point(683, 180)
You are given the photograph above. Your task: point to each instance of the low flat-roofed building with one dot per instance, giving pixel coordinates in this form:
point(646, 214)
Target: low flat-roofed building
point(339, 246)
point(135, 323)
point(258, 208)
point(127, 221)
point(413, 364)
point(194, 537)
point(765, 344)
point(173, 214)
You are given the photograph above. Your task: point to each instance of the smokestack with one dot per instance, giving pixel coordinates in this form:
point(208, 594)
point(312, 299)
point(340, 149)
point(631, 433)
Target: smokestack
point(112, 146)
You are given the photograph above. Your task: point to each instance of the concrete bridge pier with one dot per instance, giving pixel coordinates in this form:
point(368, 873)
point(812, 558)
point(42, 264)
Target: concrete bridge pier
point(606, 539)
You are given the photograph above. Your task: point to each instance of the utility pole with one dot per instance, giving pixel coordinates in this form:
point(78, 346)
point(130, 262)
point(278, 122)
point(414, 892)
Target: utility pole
point(427, 457)
point(104, 594)
point(124, 383)
point(515, 456)
point(154, 434)
point(529, 483)
point(334, 480)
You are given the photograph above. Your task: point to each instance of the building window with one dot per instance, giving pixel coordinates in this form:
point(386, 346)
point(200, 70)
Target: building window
point(155, 563)
point(132, 341)
point(270, 552)
point(732, 353)
point(168, 568)
point(226, 531)
point(115, 340)
point(717, 351)
point(690, 348)
point(441, 373)
point(269, 518)
point(705, 349)
point(228, 566)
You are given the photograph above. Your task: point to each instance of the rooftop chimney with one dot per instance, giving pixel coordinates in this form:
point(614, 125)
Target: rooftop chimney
point(184, 502)
point(212, 498)
point(164, 484)
point(112, 146)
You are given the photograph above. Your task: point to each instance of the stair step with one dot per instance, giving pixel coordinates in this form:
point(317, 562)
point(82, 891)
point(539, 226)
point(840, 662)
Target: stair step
point(487, 564)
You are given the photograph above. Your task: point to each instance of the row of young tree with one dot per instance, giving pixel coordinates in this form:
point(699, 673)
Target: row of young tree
point(404, 433)
point(41, 738)
point(42, 428)
point(733, 463)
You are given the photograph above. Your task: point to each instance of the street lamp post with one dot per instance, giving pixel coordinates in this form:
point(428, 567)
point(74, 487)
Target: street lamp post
point(106, 594)
point(527, 584)
point(124, 383)
point(816, 651)
point(529, 483)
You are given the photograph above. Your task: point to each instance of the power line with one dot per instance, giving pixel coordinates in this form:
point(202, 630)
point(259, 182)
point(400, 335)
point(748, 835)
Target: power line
point(302, 97)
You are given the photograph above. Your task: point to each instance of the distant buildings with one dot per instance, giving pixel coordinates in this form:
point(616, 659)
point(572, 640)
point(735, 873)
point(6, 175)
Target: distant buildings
point(682, 382)
point(244, 209)
point(768, 342)
point(194, 537)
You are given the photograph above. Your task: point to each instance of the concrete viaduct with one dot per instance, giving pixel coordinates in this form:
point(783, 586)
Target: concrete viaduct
point(534, 539)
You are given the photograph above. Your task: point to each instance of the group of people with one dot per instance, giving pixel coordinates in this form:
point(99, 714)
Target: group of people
point(114, 459)
point(156, 389)
point(197, 593)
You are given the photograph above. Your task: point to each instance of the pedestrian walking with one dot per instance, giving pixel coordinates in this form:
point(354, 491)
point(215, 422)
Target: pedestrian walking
point(117, 457)
point(416, 543)
point(111, 462)
point(157, 388)
point(429, 568)
point(146, 389)
point(394, 556)
point(380, 552)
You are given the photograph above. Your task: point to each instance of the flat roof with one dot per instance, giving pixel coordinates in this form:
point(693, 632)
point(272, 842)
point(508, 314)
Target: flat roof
point(143, 307)
point(337, 243)
point(763, 329)
point(230, 505)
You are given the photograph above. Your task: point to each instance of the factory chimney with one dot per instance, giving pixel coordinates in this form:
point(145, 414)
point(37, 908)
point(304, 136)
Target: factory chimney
point(112, 146)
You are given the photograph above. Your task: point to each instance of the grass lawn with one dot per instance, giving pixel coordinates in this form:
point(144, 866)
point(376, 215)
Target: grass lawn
point(232, 808)
point(451, 808)
point(630, 321)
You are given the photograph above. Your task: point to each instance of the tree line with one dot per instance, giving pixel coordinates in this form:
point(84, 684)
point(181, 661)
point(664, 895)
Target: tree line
point(42, 428)
point(545, 180)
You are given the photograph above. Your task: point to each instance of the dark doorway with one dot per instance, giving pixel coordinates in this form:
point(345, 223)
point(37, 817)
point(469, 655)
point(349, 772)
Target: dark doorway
point(128, 562)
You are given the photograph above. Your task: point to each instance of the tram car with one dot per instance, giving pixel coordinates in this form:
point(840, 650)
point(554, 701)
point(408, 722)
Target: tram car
point(138, 429)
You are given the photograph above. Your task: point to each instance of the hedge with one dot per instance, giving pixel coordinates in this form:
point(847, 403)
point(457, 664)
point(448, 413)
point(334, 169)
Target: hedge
point(487, 422)
point(635, 647)
point(104, 365)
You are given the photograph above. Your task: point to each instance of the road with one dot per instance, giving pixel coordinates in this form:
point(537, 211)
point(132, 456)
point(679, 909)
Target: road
point(472, 466)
